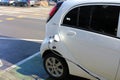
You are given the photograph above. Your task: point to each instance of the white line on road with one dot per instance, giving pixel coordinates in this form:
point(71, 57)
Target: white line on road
point(1, 64)
point(35, 40)
point(21, 62)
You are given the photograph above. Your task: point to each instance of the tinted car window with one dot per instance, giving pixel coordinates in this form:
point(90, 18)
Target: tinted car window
point(71, 18)
point(105, 19)
point(98, 18)
point(84, 17)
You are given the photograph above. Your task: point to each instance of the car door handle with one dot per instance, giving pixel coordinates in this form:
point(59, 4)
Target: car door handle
point(71, 33)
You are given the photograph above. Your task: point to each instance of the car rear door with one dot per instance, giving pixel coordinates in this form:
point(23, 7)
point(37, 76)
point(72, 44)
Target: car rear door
point(90, 36)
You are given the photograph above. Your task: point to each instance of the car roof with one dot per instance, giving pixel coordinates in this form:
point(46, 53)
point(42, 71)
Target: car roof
point(95, 1)
point(75, 2)
point(70, 3)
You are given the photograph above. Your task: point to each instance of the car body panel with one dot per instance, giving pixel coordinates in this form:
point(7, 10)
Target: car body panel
point(118, 74)
point(97, 53)
point(93, 48)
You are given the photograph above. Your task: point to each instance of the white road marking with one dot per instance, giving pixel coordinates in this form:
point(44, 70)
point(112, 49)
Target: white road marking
point(21, 16)
point(1, 64)
point(1, 20)
point(21, 62)
point(9, 19)
point(35, 40)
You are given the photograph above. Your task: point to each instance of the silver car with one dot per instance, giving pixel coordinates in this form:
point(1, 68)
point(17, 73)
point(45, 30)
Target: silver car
point(83, 39)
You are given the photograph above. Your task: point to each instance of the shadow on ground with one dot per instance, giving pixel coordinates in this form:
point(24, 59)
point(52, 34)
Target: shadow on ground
point(70, 77)
point(34, 68)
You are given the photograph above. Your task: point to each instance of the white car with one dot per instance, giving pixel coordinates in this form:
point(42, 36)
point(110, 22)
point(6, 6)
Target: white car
point(11, 2)
point(83, 39)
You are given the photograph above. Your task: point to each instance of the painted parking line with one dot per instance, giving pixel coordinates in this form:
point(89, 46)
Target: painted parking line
point(1, 64)
point(34, 40)
point(21, 16)
point(21, 62)
point(29, 70)
point(1, 20)
point(10, 19)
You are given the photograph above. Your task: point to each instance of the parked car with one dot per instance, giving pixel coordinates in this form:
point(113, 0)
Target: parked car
point(11, 2)
point(4, 2)
point(33, 2)
point(21, 3)
point(53, 2)
point(83, 39)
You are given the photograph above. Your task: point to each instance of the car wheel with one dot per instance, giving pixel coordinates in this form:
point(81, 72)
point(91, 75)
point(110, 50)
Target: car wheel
point(55, 66)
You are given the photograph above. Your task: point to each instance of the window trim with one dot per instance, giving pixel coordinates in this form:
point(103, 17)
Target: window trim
point(86, 4)
point(118, 28)
point(78, 6)
point(97, 32)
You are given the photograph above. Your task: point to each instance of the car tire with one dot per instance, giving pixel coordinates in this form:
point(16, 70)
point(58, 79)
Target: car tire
point(55, 66)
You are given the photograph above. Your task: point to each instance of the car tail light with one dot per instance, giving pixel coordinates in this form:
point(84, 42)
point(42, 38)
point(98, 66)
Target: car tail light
point(54, 10)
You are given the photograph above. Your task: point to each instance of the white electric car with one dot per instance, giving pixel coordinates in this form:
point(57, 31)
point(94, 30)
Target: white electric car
point(83, 39)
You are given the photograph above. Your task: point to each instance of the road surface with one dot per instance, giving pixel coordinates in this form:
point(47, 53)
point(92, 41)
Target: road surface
point(21, 35)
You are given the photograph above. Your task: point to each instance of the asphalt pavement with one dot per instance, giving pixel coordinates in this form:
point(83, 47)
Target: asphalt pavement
point(26, 28)
point(14, 51)
point(31, 69)
point(20, 58)
point(26, 12)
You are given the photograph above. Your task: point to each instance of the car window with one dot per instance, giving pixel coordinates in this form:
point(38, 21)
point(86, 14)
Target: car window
point(71, 18)
point(105, 19)
point(98, 18)
point(84, 17)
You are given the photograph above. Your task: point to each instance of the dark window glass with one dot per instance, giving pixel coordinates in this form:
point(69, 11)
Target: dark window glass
point(84, 17)
point(102, 19)
point(98, 18)
point(105, 19)
point(71, 18)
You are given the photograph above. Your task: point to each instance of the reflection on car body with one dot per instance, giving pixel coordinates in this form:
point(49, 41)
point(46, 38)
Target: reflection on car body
point(87, 42)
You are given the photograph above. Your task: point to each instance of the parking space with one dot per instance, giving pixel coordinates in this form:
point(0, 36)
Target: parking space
point(21, 60)
point(13, 51)
point(32, 69)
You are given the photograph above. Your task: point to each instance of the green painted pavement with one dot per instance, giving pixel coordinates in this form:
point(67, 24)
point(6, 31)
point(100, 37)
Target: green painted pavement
point(30, 70)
